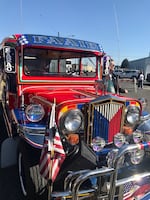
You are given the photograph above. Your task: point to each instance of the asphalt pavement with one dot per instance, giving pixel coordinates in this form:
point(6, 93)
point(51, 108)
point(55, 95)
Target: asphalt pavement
point(135, 92)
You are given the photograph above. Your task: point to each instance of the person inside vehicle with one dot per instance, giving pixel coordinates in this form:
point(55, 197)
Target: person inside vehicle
point(112, 80)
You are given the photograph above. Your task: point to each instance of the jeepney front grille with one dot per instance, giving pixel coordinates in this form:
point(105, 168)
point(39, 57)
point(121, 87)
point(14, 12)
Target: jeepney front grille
point(105, 119)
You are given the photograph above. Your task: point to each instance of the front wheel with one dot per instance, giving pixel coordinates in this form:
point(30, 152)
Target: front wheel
point(33, 186)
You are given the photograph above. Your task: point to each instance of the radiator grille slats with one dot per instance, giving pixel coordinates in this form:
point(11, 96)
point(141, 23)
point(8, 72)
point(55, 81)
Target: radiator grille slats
point(106, 119)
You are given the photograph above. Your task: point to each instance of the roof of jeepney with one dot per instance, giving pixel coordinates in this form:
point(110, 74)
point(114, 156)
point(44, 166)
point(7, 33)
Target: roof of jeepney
point(57, 42)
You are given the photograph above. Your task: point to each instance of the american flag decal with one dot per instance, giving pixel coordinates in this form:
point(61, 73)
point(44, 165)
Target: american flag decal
point(128, 190)
point(136, 189)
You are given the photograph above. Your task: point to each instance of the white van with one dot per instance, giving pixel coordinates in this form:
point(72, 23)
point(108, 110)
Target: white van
point(130, 73)
point(118, 72)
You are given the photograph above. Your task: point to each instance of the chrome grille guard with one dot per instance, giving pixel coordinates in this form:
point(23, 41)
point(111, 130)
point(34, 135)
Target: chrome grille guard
point(76, 179)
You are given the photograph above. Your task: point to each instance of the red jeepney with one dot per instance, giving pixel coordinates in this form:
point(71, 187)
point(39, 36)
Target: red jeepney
point(40, 73)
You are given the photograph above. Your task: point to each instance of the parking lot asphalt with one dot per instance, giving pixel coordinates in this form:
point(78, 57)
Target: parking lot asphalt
point(9, 181)
point(134, 91)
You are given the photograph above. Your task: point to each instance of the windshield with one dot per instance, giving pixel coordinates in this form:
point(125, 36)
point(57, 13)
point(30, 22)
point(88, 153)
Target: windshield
point(44, 62)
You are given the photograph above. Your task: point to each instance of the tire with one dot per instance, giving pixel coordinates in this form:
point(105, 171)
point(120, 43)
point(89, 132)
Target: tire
point(32, 185)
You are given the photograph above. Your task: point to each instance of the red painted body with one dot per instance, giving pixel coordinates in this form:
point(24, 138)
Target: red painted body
point(43, 69)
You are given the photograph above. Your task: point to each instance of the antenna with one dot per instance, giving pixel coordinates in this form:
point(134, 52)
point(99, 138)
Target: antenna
point(117, 30)
point(21, 16)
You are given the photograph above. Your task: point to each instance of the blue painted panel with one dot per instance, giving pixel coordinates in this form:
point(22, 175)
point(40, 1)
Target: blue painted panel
point(42, 40)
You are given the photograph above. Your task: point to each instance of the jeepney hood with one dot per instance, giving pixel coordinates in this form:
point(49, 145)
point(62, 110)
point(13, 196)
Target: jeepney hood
point(74, 98)
point(61, 94)
point(66, 94)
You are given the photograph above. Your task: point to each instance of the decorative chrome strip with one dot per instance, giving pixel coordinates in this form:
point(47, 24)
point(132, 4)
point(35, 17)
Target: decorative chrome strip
point(32, 130)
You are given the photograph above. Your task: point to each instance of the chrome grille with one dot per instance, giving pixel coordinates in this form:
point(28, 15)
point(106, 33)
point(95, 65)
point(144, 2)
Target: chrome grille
point(105, 118)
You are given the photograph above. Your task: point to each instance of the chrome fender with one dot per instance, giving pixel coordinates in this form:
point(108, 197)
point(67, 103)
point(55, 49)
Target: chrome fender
point(144, 127)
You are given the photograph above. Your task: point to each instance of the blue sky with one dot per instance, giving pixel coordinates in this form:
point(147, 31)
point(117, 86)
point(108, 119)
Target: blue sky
point(122, 27)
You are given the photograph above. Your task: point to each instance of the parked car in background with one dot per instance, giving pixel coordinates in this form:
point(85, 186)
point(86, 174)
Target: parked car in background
point(148, 77)
point(130, 73)
point(118, 72)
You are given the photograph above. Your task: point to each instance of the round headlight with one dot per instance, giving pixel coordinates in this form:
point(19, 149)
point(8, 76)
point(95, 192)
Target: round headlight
point(119, 140)
point(34, 112)
point(137, 136)
point(137, 156)
point(133, 115)
point(72, 121)
point(98, 144)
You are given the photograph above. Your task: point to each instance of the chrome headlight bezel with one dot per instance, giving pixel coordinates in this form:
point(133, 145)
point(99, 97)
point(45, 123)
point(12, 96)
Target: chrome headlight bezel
point(132, 115)
point(71, 121)
point(34, 112)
